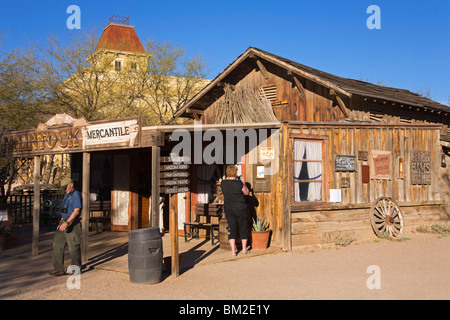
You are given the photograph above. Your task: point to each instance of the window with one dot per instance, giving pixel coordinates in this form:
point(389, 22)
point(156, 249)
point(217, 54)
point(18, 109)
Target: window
point(308, 169)
point(118, 65)
point(133, 66)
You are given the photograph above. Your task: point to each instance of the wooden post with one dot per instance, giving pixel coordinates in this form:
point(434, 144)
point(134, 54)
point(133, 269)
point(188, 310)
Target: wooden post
point(286, 237)
point(174, 234)
point(36, 206)
point(154, 218)
point(85, 212)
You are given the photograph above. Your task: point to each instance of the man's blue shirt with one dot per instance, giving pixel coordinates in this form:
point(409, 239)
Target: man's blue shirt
point(71, 201)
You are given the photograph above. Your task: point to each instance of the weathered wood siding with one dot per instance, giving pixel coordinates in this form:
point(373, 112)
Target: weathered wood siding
point(270, 204)
point(315, 105)
point(356, 124)
point(421, 203)
point(399, 140)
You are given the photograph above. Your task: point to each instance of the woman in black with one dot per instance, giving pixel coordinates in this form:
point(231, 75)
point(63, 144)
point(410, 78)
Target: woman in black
point(235, 205)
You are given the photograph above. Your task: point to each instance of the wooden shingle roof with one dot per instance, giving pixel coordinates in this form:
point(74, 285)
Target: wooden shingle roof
point(344, 86)
point(366, 89)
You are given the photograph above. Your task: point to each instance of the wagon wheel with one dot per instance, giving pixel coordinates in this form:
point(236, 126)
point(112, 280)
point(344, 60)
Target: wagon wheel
point(386, 218)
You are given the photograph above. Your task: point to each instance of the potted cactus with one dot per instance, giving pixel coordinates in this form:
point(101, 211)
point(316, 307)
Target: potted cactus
point(260, 234)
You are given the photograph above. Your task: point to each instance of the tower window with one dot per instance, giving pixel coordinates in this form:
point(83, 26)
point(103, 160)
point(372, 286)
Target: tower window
point(118, 65)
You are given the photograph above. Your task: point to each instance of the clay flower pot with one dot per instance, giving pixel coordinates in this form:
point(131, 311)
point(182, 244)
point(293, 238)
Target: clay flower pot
point(260, 234)
point(260, 239)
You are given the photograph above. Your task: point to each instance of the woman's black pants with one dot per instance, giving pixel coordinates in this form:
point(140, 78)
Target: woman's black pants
point(236, 214)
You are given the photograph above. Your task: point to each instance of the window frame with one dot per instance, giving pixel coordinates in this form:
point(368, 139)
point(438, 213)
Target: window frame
point(133, 66)
point(120, 62)
point(325, 172)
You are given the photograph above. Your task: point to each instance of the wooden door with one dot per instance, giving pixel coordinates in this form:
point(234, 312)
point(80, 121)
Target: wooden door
point(144, 210)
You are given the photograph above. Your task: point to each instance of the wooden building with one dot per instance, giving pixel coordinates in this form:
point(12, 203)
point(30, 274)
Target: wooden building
point(111, 160)
point(328, 158)
point(343, 147)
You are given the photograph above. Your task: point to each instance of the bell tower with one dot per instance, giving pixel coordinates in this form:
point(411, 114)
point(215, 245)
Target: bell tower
point(120, 46)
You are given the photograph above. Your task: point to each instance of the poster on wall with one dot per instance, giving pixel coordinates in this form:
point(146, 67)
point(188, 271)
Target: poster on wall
point(381, 165)
point(266, 153)
point(421, 167)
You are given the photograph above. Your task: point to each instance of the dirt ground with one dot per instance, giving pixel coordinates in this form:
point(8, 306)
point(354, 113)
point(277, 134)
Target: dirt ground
point(417, 268)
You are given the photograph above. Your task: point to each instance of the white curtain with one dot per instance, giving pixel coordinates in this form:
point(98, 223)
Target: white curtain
point(299, 152)
point(314, 152)
point(204, 176)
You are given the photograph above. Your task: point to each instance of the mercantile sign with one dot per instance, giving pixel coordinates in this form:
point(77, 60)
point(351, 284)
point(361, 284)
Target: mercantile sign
point(64, 134)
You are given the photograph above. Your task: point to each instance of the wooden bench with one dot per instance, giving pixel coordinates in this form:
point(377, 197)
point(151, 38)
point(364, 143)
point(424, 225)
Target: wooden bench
point(208, 211)
point(104, 207)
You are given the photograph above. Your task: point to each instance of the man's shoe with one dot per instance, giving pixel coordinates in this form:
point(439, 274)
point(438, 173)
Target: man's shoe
point(56, 273)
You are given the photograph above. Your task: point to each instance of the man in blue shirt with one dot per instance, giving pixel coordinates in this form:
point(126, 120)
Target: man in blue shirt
point(69, 229)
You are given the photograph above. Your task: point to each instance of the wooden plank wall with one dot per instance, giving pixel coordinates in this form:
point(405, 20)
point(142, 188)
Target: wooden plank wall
point(290, 104)
point(313, 103)
point(420, 204)
point(325, 222)
point(400, 140)
point(270, 204)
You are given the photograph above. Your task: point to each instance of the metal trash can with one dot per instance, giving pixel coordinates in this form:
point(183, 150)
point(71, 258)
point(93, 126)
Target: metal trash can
point(145, 255)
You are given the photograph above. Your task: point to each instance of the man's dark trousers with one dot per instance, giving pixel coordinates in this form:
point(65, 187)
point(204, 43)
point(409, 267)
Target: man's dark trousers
point(71, 238)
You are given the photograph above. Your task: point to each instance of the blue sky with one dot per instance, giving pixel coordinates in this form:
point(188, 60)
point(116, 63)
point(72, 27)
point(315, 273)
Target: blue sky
point(410, 51)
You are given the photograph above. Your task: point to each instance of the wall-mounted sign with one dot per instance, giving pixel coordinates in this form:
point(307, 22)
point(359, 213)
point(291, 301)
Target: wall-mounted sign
point(345, 182)
point(64, 134)
point(420, 167)
point(365, 173)
point(261, 177)
point(42, 141)
point(120, 133)
point(266, 153)
point(363, 155)
point(345, 163)
point(381, 164)
point(260, 172)
point(335, 195)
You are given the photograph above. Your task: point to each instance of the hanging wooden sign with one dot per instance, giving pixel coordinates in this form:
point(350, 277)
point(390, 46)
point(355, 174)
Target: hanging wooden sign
point(173, 167)
point(172, 190)
point(175, 174)
point(174, 182)
point(176, 159)
point(176, 171)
